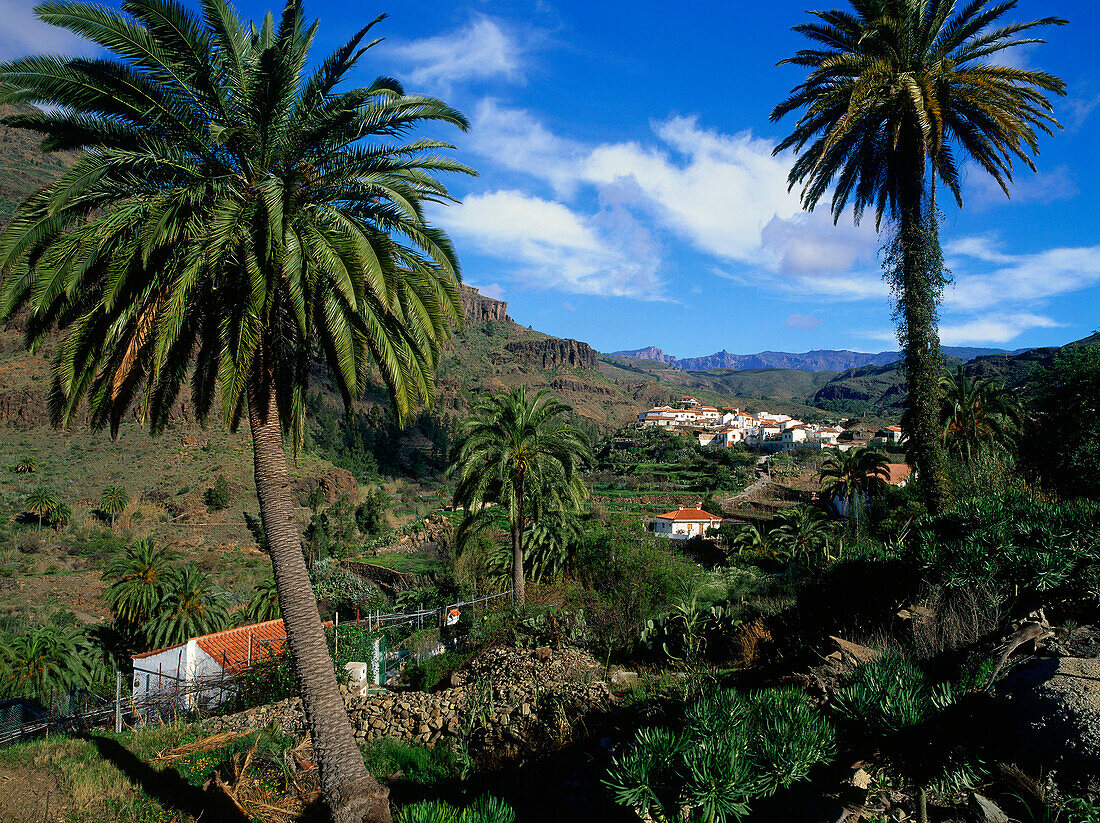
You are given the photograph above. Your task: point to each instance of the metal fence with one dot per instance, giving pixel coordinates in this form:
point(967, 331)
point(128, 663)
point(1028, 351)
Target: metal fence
point(82, 711)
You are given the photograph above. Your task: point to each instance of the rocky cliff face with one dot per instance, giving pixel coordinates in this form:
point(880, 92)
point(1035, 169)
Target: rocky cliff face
point(648, 353)
point(480, 308)
point(554, 351)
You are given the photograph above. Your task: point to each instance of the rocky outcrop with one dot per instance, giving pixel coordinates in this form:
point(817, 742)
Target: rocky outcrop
point(1055, 703)
point(479, 308)
point(551, 352)
point(334, 484)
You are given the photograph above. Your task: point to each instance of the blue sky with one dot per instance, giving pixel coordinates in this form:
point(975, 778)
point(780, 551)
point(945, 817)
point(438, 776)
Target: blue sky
point(627, 194)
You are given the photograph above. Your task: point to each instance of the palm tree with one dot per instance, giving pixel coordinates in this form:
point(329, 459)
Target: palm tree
point(60, 516)
point(139, 578)
point(801, 532)
point(519, 453)
point(190, 607)
point(232, 216)
point(899, 93)
point(264, 604)
point(49, 661)
point(41, 502)
point(113, 501)
point(26, 465)
point(754, 539)
point(977, 412)
point(850, 476)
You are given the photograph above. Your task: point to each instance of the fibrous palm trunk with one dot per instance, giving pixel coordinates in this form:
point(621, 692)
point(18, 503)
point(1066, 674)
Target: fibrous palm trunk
point(518, 589)
point(350, 791)
point(919, 289)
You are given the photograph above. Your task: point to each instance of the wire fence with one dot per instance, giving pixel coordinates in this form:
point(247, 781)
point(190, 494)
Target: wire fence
point(190, 694)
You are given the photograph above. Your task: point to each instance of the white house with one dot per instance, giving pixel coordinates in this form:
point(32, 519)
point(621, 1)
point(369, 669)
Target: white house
point(893, 434)
point(683, 524)
point(826, 435)
point(193, 674)
point(709, 414)
point(794, 434)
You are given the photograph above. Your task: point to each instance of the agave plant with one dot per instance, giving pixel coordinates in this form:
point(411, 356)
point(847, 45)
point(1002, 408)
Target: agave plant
point(733, 748)
point(893, 706)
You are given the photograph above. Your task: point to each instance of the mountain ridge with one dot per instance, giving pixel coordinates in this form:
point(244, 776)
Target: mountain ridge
point(837, 360)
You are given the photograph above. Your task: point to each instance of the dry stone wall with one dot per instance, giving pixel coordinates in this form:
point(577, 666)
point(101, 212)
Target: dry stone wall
point(506, 698)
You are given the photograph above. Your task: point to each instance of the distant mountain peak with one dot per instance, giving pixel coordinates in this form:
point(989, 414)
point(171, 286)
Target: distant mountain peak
point(815, 360)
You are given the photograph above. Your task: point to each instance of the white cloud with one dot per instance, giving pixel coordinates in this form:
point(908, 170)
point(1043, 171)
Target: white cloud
point(493, 290)
point(552, 247)
point(1020, 279)
point(22, 33)
point(1027, 187)
point(718, 191)
point(516, 141)
point(803, 321)
point(479, 51)
point(997, 328)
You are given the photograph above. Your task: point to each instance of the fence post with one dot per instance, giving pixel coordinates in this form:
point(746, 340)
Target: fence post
point(118, 701)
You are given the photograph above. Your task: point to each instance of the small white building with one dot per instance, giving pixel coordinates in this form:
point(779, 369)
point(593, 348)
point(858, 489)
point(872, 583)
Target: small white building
point(193, 674)
point(683, 524)
point(893, 434)
point(794, 434)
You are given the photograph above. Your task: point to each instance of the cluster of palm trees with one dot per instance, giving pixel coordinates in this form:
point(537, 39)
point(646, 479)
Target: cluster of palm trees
point(232, 214)
point(45, 504)
point(158, 603)
point(799, 534)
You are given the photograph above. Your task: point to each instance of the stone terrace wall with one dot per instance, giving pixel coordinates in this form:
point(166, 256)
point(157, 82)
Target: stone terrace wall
point(533, 693)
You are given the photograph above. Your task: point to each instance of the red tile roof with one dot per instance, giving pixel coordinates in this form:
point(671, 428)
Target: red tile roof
point(688, 514)
point(231, 648)
point(899, 473)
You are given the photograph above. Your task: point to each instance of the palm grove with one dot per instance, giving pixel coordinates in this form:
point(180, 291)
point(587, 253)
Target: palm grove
point(234, 217)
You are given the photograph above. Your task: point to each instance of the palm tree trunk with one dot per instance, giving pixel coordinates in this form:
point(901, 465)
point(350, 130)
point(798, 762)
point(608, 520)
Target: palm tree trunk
point(350, 791)
point(919, 289)
point(518, 589)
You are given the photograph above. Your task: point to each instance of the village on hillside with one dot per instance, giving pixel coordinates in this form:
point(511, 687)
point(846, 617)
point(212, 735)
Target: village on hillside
point(727, 426)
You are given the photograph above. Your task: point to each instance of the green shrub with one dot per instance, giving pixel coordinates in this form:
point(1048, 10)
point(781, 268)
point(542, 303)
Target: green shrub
point(217, 497)
point(416, 763)
point(1018, 546)
point(732, 748)
point(485, 810)
point(923, 728)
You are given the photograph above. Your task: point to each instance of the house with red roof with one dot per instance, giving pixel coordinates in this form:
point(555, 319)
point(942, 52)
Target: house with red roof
point(197, 669)
point(683, 524)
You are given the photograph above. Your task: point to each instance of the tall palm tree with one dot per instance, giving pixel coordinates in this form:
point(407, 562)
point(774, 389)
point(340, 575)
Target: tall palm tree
point(113, 502)
point(899, 93)
point(190, 607)
point(975, 412)
point(852, 475)
point(41, 501)
point(139, 580)
point(232, 216)
point(521, 454)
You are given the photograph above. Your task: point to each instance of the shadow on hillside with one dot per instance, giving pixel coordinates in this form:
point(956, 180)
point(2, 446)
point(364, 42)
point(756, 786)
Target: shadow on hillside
point(167, 787)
